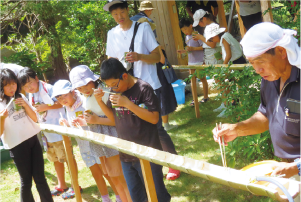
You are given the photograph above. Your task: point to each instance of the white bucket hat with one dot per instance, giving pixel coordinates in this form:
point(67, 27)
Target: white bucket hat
point(197, 16)
point(111, 3)
point(213, 30)
point(61, 87)
point(81, 75)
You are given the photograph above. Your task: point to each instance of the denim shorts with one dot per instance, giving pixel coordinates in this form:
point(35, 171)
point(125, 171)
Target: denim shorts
point(134, 179)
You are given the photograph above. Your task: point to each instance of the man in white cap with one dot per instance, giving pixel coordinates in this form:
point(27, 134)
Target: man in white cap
point(275, 55)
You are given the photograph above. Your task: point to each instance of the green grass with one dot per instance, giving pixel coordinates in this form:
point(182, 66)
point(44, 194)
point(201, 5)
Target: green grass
point(192, 138)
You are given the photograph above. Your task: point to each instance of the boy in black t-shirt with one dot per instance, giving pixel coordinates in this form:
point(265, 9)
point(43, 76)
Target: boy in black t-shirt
point(135, 110)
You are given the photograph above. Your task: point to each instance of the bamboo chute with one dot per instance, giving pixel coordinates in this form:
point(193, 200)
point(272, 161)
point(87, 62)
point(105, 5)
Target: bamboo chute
point(227, 176)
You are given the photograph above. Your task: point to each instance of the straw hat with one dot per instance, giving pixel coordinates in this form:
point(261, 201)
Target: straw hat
point(146, 5)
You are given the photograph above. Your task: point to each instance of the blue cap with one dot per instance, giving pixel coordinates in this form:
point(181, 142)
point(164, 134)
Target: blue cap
point(61, 87)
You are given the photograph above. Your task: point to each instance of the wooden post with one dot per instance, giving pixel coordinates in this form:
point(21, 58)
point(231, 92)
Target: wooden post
point(240, 22)
point(194, 94)
point(221, 15)
point(230, 20)
point(72, 169)
point(265, 5)
point(148, 181)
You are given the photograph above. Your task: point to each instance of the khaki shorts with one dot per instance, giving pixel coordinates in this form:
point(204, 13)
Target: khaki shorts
point(56, 152)
point(111, 166)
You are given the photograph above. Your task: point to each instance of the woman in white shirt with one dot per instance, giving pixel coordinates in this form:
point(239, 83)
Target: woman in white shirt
point(22, 140)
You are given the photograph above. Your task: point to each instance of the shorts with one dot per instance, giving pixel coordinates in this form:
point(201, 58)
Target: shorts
point(56, 152)
point(111, 166)
point(89, 159)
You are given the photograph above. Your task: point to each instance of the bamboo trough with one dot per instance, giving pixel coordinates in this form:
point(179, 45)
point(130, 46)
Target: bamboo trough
point(237, 179)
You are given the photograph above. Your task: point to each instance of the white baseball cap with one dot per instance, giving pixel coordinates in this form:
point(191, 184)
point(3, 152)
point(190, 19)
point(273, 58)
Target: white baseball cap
point(61, 87)
point(111, 3)
point(81, 75)
point(213, 30)
point(197, 16)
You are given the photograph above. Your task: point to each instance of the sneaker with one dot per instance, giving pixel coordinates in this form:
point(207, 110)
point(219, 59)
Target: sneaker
point(220, 108)
point(173, 174)
point(57, 191)
point(222, 114)
point(70, 193)
point(168, 126)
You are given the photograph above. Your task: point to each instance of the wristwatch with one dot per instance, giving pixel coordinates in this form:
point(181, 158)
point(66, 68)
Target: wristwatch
point(298, 162)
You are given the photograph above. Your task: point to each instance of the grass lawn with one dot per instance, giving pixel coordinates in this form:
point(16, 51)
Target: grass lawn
point(192, 138)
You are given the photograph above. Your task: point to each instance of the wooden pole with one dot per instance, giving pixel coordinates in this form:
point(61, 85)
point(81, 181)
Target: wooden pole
point(174, 21)
point(221, 15)
point(148, 181)
point(194, 94)
point(240, 22)
point(230, 20)
point(72, 169)
point(265, 5)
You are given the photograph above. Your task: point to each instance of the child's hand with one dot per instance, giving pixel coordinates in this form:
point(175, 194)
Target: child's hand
point(21, 102)
point(91, 118)
point(63, 122)
point(98, 94)
point(196, 37)
point(41, 107)
point(78, 121)
point(181, 51)
point(119, 101)
point(189, 48)
point(3, 113)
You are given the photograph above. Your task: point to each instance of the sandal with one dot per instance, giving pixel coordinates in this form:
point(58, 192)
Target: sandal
point(57, 191)
point(173, 174)
point(204, 100)
point(192, 103)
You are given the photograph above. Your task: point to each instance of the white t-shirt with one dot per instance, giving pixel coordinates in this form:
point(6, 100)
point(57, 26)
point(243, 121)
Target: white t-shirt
point(15, 68)
point(236, 50)
point(18, 127)
point(249, 8)
point(52, 115)
point(119, 41)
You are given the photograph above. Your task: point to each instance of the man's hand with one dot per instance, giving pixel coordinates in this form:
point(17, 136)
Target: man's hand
point(91, 117)
point(132, 57)
point(41, 107)
point(227, 130)
point(3, 113)
point(119, 100)
point(98, 94)
point(287, 169)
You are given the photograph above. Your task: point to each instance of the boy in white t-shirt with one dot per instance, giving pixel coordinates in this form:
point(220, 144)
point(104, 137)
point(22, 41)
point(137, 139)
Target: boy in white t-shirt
point(49, 111)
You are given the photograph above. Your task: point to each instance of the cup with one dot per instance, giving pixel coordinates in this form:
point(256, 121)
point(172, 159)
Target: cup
point(17, 107)
point(125, 53)
point(78, 113)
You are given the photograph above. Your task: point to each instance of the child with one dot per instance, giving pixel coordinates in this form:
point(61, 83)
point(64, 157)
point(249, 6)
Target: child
point(73, 103)
point(49, 110)
point(231, 49)
point(133, 123)
point(18, 133)
point(83, 79)
point(195, 53)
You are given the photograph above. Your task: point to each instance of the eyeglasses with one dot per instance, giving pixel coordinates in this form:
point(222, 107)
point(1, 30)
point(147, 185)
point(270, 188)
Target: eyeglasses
point(116, 87)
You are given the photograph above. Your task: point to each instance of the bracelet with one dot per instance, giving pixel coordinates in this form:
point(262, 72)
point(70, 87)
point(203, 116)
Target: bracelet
point(298, 162)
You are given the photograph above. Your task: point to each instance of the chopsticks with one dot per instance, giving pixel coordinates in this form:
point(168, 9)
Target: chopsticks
point(9, 103)
point(106, 91)
point(222, 141)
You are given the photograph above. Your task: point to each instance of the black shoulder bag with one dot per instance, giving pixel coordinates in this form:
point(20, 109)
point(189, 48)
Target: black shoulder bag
point(131, 49)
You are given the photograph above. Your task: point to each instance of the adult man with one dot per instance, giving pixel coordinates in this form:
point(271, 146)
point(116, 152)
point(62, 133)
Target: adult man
point(250, 13)
point(146, 54)
point(275, 55)
point(193, 6)
point(146, 8)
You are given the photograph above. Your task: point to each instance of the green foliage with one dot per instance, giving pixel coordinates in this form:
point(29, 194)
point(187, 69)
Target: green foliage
point(242, 85)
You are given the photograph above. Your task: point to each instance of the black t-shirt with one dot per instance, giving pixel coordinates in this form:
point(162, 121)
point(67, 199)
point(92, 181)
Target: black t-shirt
point(205, 5)
point(284, 126)
point(130, 127)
